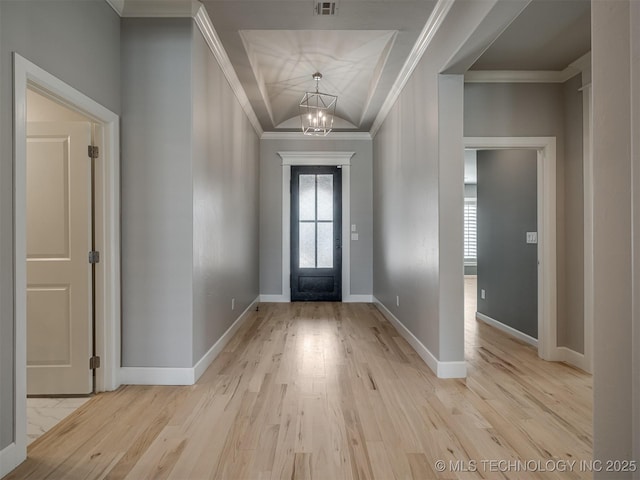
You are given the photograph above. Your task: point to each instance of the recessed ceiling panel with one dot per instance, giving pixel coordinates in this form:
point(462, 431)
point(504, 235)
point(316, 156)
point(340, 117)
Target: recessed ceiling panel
point(350, 61)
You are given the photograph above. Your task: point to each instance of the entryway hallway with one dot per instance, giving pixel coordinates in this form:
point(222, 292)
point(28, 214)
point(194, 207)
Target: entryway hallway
point(331, 391)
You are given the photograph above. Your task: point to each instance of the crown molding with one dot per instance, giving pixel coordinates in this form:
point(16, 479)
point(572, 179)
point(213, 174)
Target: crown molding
point(330, 136)
point(203, 21)
point(117, 5)
point(424, 39)
point(581, 65)
point(196, 10)
point(156, 8)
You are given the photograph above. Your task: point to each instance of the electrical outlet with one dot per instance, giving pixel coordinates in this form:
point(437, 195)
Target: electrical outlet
point(397, 300)
point(233, 304)
point(483, 294)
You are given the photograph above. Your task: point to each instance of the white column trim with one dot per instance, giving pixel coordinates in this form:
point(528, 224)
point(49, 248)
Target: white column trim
point(587, 128)
point(547, 268)
point(331, 158)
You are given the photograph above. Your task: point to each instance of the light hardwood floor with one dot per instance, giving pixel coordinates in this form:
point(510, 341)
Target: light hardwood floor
point(330, 391)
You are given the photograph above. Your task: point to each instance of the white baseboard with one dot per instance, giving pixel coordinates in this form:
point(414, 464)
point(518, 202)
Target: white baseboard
point(578, 360)
point(358, 299)
point(10, 458)
point(441, 369)
point(285, 299)
point(507, 329)
point(217, 347)
point(157, 376)
point(186, 375)
point(274, 299)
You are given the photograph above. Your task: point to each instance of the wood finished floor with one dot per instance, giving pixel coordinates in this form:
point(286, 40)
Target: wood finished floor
point(329, 391)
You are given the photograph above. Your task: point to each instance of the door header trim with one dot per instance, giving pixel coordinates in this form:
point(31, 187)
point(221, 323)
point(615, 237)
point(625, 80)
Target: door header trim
point(316, 158)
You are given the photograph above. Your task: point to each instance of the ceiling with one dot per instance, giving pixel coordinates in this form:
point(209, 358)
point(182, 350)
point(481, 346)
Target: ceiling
point(276, 45)
point(547, 35)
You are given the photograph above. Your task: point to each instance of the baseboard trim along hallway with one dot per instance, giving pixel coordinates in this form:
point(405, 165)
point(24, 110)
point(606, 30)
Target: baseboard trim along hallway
point(507, 329)
point(186, 375)
point(441, 369)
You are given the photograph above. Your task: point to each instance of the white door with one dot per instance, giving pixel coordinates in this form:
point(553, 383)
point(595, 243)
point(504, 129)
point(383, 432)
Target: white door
point(58, 271)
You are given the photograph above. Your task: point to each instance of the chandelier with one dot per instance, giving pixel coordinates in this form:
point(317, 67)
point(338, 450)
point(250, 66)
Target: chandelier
point(317, 110)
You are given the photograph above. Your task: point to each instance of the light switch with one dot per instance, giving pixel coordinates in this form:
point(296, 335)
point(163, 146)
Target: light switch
point(532, 237)
point(353, 227)
point(354, 236)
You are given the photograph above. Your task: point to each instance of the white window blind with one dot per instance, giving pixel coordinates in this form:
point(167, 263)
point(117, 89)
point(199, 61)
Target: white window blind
point(470, 235)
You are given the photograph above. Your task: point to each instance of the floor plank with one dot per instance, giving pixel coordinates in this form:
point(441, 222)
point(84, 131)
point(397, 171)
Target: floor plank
point(330, 391)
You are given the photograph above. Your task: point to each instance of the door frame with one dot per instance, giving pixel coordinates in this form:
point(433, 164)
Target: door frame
point(546, 206)
point(311, 158)
point(336, 222)
point(27, 74)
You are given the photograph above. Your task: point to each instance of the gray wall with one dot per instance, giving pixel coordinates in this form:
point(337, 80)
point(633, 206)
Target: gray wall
point(157, 202)
point(507, 265)
point(271, 210)
point(225, 202)
point(616, 202)
point(418, 190)
point(532, 110)
point(65, 38)
point(189, 197)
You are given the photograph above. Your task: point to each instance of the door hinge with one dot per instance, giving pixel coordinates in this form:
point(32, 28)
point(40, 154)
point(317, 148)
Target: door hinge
point(94, 256)
point(94, 362)
point(93, 151)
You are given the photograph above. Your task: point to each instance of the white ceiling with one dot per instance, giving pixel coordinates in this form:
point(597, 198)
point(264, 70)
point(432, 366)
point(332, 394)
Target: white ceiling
point(351, 62)
point(274, 47)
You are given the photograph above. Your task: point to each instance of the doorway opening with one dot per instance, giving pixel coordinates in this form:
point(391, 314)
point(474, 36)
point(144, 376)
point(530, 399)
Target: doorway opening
point(501, 216)
point(545, 159)
point(60, 222)
point(30, 79)
point(316, 233)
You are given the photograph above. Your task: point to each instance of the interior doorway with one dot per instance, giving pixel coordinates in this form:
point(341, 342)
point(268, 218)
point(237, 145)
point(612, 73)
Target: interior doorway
point(28, 76)
point(545, 154)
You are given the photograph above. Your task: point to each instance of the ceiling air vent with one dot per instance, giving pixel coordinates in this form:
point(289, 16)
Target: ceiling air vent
point(325, 8)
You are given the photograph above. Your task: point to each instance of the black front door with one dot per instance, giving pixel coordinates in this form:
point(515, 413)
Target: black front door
point(316, 234)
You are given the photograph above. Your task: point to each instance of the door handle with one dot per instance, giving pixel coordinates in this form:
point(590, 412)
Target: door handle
point(338, 243)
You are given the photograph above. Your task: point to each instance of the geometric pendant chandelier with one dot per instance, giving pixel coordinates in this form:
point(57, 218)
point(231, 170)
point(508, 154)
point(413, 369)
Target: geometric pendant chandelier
point(317, 110)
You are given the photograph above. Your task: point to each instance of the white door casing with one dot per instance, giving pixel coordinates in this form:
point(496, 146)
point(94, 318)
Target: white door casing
point(58, 271)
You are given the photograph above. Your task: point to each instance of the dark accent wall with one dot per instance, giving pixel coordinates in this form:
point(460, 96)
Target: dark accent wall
point(507, 265)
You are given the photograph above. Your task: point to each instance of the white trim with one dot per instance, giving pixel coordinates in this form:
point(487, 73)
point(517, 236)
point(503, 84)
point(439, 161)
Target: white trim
point(587, 176)
point(10, 458)
point(117, 5)
point(157, 8)
point(108, 318)
point(507, 329)
point(434, 22)
point(515, 76)
point(580, 65)
point(316, 158)
point(218, 347)
point(574, 358)
point(215, 45)
point(274, 298)
point(185, 375)
point(358, 298)
point(300, 136)
point(441, 369)
point(156, 376)
point(547, 280)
